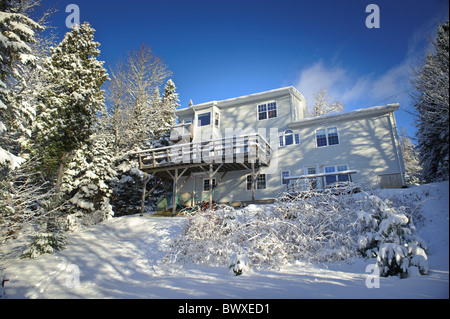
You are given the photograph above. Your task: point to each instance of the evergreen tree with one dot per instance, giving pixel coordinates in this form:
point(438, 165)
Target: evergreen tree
point(17, 34)
point(410, 157)
point(431, 101)
point(68, 108)
point(169, 105)
point(87, 180)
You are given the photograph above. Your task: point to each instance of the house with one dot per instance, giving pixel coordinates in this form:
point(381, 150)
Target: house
point(251, 147)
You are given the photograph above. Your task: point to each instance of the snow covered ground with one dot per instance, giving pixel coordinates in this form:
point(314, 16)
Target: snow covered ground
point(126, 258)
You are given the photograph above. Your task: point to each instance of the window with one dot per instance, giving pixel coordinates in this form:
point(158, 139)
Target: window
point(204, 119)
point(326, 137)
point(312, 181)
point(284, 174)
point(272, 109)
point(343, 178)
point(267, 111)
point(206, 184)
point(216, 119)
point(331, 178)
point(289, 138)
point(260, 182)
point(335, 178)
point(333, 137)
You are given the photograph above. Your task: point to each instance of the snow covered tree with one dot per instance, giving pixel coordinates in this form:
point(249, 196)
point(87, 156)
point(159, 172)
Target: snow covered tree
point(386, 232)
point(68, 108)
point(169, 104)
point(134, 96)
point(323, 107)
point(17, 60)
point(411, 158)
point(87, 182)
point(138, 118)
point(431, 101)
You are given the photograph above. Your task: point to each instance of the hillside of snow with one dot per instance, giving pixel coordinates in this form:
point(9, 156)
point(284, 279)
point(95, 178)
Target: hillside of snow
point(127, 257)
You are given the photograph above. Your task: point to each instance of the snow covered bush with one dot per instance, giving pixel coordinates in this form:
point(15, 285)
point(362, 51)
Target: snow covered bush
point(239, 262)
point(271, 235)
point(312, 228)
point(45, 243)
point(387, 233)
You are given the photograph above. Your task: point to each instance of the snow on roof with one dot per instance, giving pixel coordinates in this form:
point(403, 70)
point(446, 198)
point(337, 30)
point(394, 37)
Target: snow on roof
point(246, 98)
point(381, 109)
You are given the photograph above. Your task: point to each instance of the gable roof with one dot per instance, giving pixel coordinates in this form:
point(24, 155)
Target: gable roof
point(271, 94)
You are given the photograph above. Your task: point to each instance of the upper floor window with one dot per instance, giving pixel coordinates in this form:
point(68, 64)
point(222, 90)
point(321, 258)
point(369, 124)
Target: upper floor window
point(289, 138)
point(204, 119)
point(267, 110)
point(326, 137)
point(216, 119)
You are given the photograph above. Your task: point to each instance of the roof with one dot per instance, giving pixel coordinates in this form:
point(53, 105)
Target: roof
point(243, 99)
point(370, 111)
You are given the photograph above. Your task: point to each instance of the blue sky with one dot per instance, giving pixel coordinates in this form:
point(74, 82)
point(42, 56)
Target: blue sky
point(224, 49)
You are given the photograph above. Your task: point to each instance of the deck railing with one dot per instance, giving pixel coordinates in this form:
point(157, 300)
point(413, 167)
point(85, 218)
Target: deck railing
point(237, 149)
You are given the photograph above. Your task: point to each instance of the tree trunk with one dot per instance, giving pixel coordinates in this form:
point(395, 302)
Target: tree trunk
point(59, 177)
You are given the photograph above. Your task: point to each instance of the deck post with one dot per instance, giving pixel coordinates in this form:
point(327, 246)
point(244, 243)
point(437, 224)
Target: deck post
point(174, 195)
point(143, 194)
point(210, 184)
point(253, 183)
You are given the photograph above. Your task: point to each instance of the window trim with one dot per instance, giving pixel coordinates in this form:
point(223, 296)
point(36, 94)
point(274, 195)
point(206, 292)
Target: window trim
point(326, 137)
point(249, 182)
point(267, 110)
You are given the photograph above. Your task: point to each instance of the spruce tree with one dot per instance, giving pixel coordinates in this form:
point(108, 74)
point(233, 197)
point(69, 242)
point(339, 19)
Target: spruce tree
point(68, 108)
point(431, 101)
point(17, 34)
point(87, 181)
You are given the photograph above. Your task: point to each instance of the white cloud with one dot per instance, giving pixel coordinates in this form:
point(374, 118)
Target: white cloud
point(340, 84)
point(360, 91)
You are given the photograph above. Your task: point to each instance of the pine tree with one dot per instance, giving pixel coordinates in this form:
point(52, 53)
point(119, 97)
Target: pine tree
point(431, 101)
point(17, 34)
point(68, 107)
point(410, 157)
point(169, 105)
point(87, 181)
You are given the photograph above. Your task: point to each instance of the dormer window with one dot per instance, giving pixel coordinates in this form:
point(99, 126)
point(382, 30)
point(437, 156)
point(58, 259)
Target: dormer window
point(267, 111)
point(204, 119)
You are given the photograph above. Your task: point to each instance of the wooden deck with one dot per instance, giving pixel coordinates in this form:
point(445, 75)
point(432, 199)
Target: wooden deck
point(247, 152)
point(226, 154)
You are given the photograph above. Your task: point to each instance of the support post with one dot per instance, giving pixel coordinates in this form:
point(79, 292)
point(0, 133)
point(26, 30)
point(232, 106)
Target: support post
point(174, 195)
point(253, 183)
point(210, 184)
point(143, 194)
